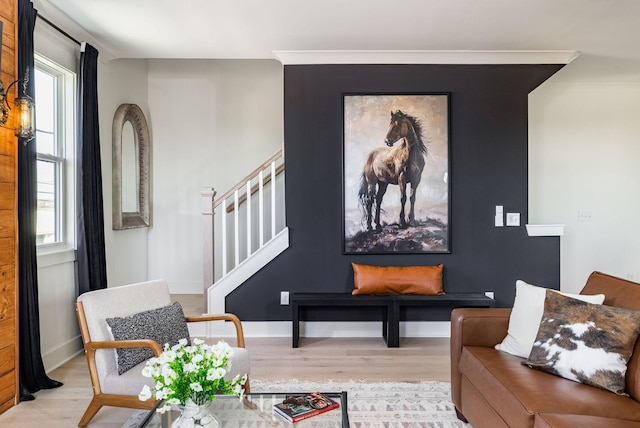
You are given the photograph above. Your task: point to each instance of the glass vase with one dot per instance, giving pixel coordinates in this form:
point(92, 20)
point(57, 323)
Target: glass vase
point(195, 416)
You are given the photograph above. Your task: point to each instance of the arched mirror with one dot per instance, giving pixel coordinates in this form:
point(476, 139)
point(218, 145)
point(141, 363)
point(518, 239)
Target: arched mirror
point(131, 153)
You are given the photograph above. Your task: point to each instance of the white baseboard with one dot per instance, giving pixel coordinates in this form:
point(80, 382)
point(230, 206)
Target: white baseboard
point(61, 354)
point(217, 293)
point(321, 329)
point(425, 329)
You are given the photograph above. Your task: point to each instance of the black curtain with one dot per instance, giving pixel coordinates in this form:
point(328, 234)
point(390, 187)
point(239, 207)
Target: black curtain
point(32, 375)
point(91, 258)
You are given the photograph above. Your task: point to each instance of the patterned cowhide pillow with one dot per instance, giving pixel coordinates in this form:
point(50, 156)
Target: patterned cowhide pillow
point(585, 343)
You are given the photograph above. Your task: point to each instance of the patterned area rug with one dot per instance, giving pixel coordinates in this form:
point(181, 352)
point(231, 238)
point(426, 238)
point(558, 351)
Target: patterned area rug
point(377, 405)
point(384, 405)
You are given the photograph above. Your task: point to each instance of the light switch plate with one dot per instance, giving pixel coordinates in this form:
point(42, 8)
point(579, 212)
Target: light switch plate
point(513, 219)
point(284, 297)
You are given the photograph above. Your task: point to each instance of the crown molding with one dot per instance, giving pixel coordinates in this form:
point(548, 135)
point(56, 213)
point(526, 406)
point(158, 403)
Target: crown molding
point(425, 57)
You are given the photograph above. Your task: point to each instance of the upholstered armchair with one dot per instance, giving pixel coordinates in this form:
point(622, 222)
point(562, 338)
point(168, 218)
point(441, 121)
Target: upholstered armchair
point(106, 318)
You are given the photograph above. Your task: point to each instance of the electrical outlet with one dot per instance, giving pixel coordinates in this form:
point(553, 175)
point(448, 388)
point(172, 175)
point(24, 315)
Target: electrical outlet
point(490, 294)
point(284, 297)
point(584, 215)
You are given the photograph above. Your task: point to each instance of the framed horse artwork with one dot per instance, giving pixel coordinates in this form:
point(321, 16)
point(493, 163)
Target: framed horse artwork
point(396, 173)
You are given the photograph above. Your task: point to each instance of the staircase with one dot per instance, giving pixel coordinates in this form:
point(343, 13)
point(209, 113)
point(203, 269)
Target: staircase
point(243, 230)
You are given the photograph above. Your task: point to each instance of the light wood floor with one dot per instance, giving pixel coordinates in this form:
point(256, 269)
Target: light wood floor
point(317, 359)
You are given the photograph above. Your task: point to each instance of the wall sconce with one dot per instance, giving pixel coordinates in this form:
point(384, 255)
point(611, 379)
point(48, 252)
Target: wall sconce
point(24, 106)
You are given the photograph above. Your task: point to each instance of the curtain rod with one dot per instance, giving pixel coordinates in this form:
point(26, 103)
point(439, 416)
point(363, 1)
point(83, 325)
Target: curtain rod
point(60, 30)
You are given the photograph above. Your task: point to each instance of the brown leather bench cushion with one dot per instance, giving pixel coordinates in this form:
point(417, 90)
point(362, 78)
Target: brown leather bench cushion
point(424, 280)
point(522, 392)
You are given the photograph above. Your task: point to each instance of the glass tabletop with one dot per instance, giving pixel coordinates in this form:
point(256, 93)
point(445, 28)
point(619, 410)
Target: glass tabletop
point(256, 410)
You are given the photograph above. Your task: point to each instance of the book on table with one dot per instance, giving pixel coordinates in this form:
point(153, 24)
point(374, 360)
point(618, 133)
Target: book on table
point(298, 407)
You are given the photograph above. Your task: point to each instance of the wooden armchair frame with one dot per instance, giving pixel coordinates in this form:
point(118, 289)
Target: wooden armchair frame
point(101, 399)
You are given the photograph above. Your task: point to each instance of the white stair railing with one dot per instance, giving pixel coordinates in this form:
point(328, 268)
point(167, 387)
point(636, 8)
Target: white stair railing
point(257, 199)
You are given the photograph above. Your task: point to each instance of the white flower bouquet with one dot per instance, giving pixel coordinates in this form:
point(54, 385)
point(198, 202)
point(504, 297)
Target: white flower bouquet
point(191, 373)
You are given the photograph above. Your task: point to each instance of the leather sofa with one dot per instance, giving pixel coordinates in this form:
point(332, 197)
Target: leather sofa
point(491, 388)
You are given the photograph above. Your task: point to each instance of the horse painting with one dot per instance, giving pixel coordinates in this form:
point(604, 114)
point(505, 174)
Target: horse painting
point(400, 163)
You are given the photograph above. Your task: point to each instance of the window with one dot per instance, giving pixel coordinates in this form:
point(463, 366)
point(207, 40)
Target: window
point(55, 107)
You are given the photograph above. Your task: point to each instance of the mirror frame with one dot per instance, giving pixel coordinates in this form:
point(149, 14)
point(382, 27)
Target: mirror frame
point(141, 218)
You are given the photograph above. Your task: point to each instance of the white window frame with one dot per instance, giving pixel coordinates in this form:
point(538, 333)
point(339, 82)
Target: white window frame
point(65, 158)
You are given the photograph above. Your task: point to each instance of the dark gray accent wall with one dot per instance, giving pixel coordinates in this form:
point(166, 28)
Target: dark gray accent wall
point(488, 113)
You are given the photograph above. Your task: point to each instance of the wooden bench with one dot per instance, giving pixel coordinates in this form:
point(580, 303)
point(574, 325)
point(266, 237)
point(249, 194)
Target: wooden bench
point(391, 304)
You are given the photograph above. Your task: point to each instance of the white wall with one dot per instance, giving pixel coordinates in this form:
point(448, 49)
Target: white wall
point(118, 82)
point(121, 81)
point(584, 152)
point(200, 115)
point(59, 334)
point(212, 123)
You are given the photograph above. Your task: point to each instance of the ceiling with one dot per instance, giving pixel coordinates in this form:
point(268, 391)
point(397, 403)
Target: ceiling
point(606, 33)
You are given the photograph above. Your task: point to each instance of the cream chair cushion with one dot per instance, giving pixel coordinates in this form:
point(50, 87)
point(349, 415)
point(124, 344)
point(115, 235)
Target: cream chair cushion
point(125, 301)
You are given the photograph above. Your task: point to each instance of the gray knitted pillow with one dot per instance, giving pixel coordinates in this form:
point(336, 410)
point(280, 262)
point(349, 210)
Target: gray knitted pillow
point(164, 325)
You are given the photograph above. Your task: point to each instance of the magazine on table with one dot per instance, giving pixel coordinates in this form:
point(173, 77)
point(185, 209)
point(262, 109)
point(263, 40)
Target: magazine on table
point(298, 407)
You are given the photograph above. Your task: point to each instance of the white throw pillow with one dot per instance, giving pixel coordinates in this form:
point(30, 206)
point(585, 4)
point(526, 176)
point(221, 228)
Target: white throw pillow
point(526, 316)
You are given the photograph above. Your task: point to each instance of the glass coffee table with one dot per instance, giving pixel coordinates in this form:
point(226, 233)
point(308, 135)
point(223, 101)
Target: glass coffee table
point(256, 409)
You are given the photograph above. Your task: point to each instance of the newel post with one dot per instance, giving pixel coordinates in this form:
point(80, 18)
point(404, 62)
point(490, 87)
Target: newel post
point(206, 196)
